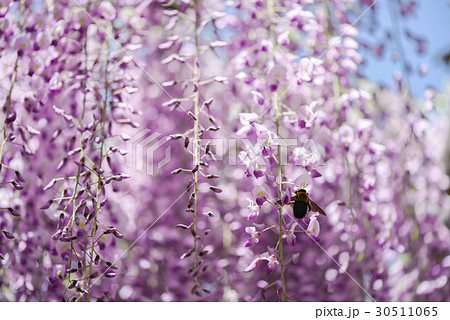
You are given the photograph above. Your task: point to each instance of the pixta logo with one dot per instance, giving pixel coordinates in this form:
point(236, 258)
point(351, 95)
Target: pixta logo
point(141, 150)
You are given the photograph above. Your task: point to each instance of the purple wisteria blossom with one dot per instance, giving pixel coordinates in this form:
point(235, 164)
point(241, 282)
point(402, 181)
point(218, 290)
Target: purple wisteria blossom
point(151, 151)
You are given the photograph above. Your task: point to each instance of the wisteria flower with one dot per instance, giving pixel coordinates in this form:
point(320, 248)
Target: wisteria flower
point(290, 237)
point(267, 137)
point(253, 265)
point(347, 135)
point(255, 236)
point(265, 45)
point(55, 82)
point(272, 261)
point(313, 226)
point(22, 45)
point(271, 265)
point(283, 39)
point(107, 11)
point(307, 115)
point(304, 157)
point(248, 121)
point(276, 76)
point(254, 210)
point(4, 8)
point(255, 161)
point(258, 97)
point(260, 200)
point(313, 172)
point(305, 70)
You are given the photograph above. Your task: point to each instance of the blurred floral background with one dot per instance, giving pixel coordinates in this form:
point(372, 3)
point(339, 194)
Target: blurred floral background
point(151, 150)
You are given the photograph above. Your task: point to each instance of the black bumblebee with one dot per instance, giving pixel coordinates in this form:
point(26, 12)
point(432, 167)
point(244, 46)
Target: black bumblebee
point(302, 204)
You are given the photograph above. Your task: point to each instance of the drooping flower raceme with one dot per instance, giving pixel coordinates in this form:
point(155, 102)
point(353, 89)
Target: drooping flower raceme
point(244, 102)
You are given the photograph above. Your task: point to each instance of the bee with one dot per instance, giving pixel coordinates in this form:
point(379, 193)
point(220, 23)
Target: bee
point(302, 204)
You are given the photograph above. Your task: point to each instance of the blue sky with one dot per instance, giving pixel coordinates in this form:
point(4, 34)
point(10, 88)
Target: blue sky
point(431, 21)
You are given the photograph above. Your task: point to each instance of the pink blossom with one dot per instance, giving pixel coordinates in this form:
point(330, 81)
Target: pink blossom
point(254, 209)
point(255, 236)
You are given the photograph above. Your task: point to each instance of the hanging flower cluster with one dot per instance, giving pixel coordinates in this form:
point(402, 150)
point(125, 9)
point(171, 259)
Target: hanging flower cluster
point(307, 96)
point(249, 101)
point(189, 51)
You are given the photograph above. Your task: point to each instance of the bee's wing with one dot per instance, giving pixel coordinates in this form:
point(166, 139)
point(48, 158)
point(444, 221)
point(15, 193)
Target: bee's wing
point(316, 208)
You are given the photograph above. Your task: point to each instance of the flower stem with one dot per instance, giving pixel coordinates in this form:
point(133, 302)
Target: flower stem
point(99, 183)
point(337, 94)
point(13, 80)
point(276, 104)
point(77, 179)
point(196, 148)
point(280, 209)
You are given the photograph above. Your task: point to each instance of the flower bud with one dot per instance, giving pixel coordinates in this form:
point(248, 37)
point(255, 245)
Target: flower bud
point(8, 235)
point(215, 189)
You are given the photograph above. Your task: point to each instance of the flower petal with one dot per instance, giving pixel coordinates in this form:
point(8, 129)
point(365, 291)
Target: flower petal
point(250, 230)
point(253, 265)
point(249, 243)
